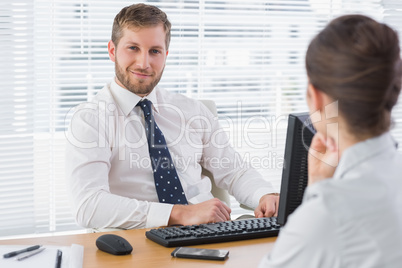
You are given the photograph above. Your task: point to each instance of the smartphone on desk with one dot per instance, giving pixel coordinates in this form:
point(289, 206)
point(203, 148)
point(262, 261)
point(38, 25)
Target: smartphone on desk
point(200, 253)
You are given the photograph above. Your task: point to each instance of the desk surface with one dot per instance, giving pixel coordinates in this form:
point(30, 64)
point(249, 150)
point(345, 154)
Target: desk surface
point(146, 253)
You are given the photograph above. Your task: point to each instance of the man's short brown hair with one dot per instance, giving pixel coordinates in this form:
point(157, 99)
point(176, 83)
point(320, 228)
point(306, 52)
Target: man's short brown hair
point(140, 16)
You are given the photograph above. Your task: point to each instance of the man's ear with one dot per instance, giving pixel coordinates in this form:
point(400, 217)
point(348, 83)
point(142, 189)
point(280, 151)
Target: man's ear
point(112, 50)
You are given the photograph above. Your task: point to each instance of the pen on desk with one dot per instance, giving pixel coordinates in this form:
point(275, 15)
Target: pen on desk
point(30, 255)
point(58, 258)
point(14, 253)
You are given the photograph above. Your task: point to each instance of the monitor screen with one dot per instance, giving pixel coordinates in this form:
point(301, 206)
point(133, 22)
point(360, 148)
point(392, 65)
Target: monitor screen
point(300, 132)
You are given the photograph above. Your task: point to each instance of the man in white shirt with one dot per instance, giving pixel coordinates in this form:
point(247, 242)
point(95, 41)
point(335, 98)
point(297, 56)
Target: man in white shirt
point(108, 163)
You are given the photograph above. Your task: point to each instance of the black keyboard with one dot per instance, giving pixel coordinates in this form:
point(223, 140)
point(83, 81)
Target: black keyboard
point(176, 236)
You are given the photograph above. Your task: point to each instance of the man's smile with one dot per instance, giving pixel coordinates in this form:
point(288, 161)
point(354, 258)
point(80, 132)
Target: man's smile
point(140, 75)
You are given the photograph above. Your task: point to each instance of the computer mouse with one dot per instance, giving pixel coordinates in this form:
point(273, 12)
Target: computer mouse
point(113, 244)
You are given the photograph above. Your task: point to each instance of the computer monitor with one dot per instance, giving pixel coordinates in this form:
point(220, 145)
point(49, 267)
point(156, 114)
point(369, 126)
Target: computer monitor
point(300, 132)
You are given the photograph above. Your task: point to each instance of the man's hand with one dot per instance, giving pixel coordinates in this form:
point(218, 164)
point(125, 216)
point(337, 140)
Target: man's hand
point(323, 158)
point(268, 206)
point(209, 211)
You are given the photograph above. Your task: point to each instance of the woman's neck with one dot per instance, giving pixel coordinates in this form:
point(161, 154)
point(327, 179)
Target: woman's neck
point(344, 139)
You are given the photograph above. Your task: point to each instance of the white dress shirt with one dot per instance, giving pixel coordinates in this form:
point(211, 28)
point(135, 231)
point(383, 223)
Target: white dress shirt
point(352, 220)
point(109, 169)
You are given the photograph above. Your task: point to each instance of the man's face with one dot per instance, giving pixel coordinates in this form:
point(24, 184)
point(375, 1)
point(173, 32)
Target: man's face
point(139, 58)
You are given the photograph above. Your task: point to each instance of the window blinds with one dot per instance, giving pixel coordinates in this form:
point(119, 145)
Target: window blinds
point(247, 56)
point(17, 186)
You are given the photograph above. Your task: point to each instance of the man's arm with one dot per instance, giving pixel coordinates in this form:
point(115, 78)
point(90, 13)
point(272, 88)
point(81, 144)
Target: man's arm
point(88, 162)
point(232, 172)
point(206, 212)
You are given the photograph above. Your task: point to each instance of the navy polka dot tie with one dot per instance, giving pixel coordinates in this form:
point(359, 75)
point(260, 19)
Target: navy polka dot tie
point(167, 182)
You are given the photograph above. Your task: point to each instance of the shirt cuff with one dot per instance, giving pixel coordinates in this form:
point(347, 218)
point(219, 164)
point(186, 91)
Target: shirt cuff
point(158, 215)
point(261, 192)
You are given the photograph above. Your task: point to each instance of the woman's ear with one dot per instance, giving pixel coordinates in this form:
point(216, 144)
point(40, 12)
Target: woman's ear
point(315, 98)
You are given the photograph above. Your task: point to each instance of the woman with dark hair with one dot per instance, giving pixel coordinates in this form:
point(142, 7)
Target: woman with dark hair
point(351, 215)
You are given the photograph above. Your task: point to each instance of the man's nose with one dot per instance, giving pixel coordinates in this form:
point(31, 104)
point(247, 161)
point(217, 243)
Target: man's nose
point(143, 60)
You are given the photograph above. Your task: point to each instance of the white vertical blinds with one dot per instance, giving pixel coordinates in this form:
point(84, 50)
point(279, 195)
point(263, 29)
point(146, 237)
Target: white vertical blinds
point(247, 56)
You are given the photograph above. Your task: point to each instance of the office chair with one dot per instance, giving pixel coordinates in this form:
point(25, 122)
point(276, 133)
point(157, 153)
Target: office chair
point(222, 194)
point(217, 192)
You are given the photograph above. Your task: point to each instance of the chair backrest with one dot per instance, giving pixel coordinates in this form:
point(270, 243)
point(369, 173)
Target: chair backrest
point(217, 192)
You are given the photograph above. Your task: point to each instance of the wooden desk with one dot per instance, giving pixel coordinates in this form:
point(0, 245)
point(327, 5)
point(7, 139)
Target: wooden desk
point(146, 253)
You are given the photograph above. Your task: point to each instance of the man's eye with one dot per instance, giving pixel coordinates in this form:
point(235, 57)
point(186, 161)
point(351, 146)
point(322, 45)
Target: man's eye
point(155, 51)
point(133, 48)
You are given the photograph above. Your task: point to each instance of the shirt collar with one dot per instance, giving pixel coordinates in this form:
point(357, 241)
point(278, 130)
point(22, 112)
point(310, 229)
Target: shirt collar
point(127, 100)
point(363, 151)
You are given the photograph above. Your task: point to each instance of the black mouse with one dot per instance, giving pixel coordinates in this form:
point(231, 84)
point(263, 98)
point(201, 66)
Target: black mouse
point(114, 244)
